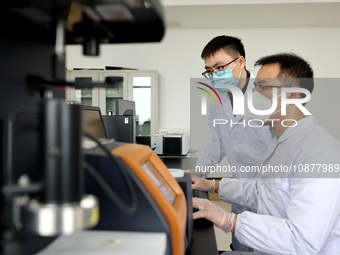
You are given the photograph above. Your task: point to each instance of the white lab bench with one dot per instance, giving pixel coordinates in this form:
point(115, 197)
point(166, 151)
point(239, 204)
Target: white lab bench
point(108, 242)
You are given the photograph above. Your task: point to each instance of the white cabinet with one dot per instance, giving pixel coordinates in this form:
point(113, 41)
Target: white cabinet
point(85, 96)
point(138, 86)
point(108, 96)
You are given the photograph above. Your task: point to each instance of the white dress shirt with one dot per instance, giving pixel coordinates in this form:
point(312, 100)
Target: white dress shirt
point(298, 212)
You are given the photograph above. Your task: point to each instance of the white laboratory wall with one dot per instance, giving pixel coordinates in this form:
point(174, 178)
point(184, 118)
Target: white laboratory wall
point(177, 58)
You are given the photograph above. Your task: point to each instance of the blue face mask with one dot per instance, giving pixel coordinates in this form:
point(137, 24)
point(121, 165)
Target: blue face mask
point(224, 78)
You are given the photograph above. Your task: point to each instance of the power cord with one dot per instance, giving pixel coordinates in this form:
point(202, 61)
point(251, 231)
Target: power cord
point(106, 187)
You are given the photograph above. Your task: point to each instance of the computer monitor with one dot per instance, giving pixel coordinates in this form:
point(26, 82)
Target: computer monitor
point(161, 186)
point(122, 125)
point(123, 105)
point(93, 122)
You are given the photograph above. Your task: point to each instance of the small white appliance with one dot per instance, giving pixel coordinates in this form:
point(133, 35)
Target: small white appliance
point(172, 144)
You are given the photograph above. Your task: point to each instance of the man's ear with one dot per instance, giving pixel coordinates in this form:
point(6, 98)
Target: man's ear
point(242, 62)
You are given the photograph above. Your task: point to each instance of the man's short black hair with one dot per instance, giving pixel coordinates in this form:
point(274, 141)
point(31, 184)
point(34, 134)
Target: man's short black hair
point(291, 66)
point(233, 46)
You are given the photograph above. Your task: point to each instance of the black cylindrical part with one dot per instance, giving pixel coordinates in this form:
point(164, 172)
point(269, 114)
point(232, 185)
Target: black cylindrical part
point(61, 151)
point(91, 46)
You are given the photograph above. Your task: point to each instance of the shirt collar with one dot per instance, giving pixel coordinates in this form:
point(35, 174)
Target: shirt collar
point(302, 124)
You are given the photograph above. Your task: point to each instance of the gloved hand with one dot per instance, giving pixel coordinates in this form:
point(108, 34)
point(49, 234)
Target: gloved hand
point(214, 213)
point(203, 184)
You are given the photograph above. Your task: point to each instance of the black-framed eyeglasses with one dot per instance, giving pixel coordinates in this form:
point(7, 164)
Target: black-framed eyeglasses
point(263, 87)
point(217, 70)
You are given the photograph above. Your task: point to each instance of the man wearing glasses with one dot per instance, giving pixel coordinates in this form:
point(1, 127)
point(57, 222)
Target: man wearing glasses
point(225, 63)
point(298, 206)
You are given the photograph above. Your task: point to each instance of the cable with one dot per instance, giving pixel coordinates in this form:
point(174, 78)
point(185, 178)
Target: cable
point(8, 141)
point(9, 188)
point(106, 187)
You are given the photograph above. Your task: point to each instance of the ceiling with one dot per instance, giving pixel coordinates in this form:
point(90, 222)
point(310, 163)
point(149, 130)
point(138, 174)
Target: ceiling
point(205, 14)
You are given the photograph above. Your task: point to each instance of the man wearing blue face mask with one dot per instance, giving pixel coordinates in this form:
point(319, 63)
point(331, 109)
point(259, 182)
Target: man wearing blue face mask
point(224, 58)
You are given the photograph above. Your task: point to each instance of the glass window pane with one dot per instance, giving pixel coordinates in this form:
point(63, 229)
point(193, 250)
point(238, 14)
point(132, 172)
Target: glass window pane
point(142, 81)
point(112, 94)
point(142, 98)
point(83, 95)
